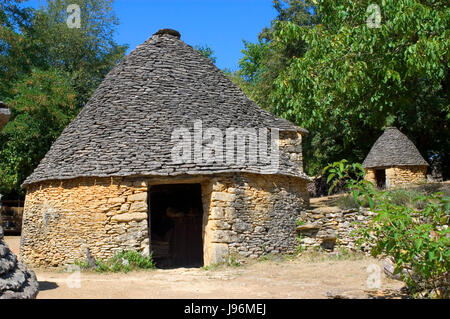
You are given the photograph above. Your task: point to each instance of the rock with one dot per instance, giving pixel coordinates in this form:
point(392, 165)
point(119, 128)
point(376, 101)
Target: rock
point(326, 210)
point(389, 267)
point(16, 281)
point(217, 213)
point(222, 236)
point(128, 217)
point(307, 227)
point(223, 197)
point(218, 253)
point(220, 224)
point(90, 260)
point(140, 197)
point(138, 207)
point(308, 241)
point(342, 294)
point(330, 236)
point(124, 208)
point(241, 227)
point(116, 200)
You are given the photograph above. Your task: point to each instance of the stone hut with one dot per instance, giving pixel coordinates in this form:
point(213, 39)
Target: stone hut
point(141, 168)
point(394, 161)
point(16, 281)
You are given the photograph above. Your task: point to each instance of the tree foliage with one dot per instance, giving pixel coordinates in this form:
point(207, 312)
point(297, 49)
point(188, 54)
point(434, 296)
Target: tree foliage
point(354, 80)
point(206, 51)
point(37, 51)
point(44, 103)
point(265, 60)
point(418, 240)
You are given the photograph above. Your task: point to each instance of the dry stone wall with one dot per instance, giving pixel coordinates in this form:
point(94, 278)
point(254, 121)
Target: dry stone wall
point(331, 228)
point(64, 218)
point(245, 215)
point(398, 176)
point(404, 175)
point(251, 215)
point(370, 175)
point(290, 143)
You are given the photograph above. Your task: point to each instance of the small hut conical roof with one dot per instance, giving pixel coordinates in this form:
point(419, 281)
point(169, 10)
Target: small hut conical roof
point(125, 129)
point(393, 148)
point(4, 114)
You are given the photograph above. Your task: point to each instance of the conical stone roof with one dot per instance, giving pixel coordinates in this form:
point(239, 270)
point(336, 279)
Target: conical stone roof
point(16, 281)
point(125, 129)
point(393, 148)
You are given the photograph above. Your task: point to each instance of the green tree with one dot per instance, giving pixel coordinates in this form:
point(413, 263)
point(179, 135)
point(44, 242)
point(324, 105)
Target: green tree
point(354, 80)
point(265, 60)
point(37, 46)
point(417, 236)
point(206, 51)
point(14, 55)
point(86, 53)
point(43, 104)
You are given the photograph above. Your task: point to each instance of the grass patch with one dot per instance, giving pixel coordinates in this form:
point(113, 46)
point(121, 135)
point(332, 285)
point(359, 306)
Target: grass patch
point(231, 261)
point(316, 255)
point(213, 266)
point(398, 196)
point(125, 261)
point(347, 202)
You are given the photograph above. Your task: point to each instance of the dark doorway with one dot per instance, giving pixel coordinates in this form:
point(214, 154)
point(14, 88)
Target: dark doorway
point(176, 216)
point(380, 177)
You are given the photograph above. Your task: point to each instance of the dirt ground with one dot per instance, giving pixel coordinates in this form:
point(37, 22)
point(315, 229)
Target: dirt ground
point(301, 277)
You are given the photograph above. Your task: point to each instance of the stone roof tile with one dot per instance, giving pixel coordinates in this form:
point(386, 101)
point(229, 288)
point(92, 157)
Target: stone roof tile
point(393, 148)
point(125, 129)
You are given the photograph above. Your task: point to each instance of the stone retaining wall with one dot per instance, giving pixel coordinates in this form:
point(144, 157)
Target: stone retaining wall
point(330, 228)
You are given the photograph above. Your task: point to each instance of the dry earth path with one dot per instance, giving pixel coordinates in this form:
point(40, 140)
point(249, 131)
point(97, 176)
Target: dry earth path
point(301, 277)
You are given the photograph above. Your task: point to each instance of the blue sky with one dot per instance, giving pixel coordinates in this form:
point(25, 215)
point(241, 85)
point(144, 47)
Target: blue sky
point(220, 24)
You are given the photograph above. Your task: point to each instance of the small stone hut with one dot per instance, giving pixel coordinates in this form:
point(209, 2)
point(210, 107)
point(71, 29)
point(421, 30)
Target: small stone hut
point(110, 181)
point(394, 161)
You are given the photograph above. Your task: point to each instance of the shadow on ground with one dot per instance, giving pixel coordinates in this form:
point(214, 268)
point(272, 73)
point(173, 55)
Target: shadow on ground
point(388, 294)
point(47, 285)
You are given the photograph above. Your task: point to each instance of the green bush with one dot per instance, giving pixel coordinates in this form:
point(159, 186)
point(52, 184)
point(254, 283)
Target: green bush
point(299, 246)
point(417, 238)
point(408, 226)
point(125, 261)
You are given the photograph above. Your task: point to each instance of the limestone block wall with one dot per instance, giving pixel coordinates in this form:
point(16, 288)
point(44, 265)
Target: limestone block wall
point(403, 175)
point(250, 215)
point(291, 144)
point(398, 176)
point(370, 175)
point(245, 215)
point(332, 228)
point(63, 218)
